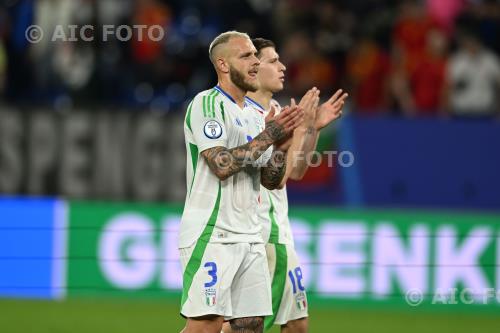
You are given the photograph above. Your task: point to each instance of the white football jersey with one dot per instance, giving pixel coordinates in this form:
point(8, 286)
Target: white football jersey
point(220, 211)
point(273, 208)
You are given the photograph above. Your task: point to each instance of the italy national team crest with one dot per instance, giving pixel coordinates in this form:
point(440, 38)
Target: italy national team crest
point(301, 300)
point(211, 296)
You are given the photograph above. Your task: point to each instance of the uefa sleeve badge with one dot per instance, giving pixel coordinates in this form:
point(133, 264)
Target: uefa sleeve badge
point(212, 129)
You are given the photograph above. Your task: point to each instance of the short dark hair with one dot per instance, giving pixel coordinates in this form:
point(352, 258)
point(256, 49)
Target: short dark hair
point(262, 43)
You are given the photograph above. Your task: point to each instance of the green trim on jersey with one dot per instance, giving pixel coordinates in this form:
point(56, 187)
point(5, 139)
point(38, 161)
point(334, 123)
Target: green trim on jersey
point(188, 116)
point(194, 262)
point(222, 111)
point(275, 231)
point(208, 107)
point(204, 103)
point(194, 160)
point(212, 106)
point(209, 104)
point(212, 109)
point(278, 284)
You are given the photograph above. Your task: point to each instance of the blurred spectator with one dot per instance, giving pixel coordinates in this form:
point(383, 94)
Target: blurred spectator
point(63, 66)
point(400, 67)
point(20, 69)
point(307, 67)
point(368, 67)
point(485, 16)
point(333, 29)
point(410, 32)
point(399, 83)
point(474, 79)
point(445, 12)
point(428, 79)
point(3, 66)
point(149, 13)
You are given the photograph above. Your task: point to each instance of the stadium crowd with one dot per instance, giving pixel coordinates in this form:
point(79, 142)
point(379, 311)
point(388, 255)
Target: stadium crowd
point(412, 57)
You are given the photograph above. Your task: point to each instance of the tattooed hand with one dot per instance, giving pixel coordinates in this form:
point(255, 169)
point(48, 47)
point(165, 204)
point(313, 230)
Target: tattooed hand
point(279, 126)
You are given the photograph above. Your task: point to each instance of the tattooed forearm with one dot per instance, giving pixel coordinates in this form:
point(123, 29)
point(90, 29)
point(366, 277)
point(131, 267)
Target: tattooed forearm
point(276, 131)
point(272, 175)
point(310, 130)
point(247, 325)
point(226, 162)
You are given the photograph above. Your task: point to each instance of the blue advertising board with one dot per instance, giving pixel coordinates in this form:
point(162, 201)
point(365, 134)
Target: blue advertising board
point(31, 248)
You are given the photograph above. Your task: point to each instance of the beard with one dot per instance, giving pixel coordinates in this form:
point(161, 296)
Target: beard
point(238, 79)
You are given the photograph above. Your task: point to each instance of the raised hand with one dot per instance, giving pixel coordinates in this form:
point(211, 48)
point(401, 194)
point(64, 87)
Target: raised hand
point(281, 125)
point(309, 103)
point(331, 109)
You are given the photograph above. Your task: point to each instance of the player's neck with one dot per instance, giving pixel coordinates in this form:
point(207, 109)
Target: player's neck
point(262, 97)
point(234, 91)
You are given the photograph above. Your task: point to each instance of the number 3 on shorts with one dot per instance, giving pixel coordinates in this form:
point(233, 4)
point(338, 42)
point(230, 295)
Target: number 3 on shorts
point(212, 272)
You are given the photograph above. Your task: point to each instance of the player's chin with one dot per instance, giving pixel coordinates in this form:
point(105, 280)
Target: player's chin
point(253, 85)
point(278, 87)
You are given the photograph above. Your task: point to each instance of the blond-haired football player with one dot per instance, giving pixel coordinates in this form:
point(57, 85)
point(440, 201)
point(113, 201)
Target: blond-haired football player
point(225, 271)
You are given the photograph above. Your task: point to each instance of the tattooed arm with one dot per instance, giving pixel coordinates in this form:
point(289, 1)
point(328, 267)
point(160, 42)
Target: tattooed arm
point(272, 175)
point(225, 162)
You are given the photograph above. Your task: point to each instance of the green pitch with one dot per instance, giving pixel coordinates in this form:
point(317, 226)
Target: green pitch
point(110, 316)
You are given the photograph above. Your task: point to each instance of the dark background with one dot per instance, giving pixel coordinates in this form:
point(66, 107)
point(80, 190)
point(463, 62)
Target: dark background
point(421, 134)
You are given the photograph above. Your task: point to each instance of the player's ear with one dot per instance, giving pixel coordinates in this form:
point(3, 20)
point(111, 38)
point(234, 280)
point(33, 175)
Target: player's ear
point(222, 65)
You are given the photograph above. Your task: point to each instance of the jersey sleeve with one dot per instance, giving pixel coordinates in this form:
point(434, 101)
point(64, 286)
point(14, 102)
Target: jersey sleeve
point(207, 123)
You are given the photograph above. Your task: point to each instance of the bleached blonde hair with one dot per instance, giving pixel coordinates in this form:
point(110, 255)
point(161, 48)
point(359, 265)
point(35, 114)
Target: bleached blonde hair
point(223, 38)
